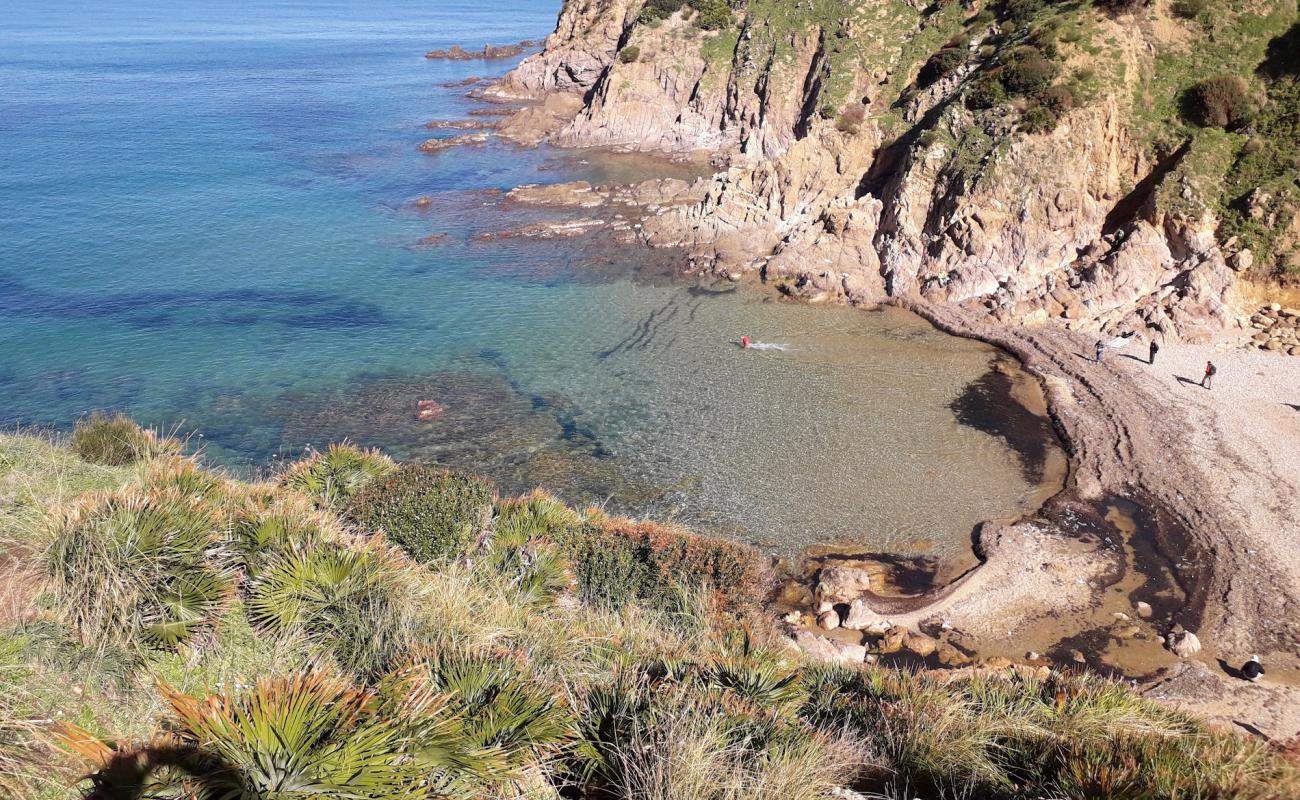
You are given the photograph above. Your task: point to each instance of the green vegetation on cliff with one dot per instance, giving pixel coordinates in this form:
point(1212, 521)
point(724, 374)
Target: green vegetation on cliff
point(1207, 91)
point(171, 632)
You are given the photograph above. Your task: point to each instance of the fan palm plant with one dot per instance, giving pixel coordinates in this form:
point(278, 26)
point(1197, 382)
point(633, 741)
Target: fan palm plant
point(136, 567)
point(507, 721)
point(533, 571)
point(353, 603)
point(334, 477)
point(308, 736)
point(266, 527)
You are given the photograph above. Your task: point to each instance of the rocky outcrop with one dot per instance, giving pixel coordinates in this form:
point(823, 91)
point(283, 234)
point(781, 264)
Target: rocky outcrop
point(584, 44)
point(843, 178)
point(487, 53)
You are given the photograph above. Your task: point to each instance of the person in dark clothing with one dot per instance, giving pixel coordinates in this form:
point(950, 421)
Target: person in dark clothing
point(1100, 347)
point(1208, 378)
point(1155, 348)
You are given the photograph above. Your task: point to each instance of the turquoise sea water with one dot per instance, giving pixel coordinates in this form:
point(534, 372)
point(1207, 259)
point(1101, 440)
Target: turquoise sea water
point(205, 221)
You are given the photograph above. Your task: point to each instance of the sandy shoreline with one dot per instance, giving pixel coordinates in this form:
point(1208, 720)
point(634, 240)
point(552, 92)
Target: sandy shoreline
point(1220, 466)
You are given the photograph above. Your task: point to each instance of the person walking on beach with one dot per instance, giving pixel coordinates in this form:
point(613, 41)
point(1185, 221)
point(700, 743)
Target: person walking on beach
point(1100, 348)
point(1155, 348)
point(1208, 378)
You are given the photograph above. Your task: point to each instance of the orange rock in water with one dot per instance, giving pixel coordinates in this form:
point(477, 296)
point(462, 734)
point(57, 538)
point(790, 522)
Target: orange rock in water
point(426, 410)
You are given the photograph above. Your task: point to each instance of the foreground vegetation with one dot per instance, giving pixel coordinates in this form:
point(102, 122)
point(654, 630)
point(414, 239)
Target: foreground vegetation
point(361, 629)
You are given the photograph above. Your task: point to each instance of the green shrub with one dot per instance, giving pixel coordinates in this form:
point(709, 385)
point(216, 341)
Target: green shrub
point(616, 562)
point(115, 440)
point(713, 15)
point(334, 477)
point(307, 735)
point(1028, 71)
point(1124, 6)
point(940, 64)
point(986, 92)
point(655, 10)
point(1190, 9)
point(629, 54)
point(135, 568)
point(431, 513)
point(1020, 12)
point(1222, 101)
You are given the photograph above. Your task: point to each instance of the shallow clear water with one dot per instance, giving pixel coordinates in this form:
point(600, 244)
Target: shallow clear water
point(205, 221)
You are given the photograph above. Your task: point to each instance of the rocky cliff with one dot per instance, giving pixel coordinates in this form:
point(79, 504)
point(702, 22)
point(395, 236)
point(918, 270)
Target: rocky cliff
point(1031, 159)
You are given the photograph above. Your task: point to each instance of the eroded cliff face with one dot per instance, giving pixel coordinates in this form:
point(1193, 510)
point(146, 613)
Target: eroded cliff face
point(847, 172)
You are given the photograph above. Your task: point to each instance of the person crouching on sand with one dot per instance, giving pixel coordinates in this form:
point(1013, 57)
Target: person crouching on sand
point(1100, 347)
point(1208, 378)
point(1155, 348)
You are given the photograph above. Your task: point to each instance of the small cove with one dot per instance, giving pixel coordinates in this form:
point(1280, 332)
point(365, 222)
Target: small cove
point(219, 237)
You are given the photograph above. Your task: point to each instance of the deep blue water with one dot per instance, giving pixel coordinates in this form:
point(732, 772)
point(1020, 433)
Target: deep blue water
point(205, 221)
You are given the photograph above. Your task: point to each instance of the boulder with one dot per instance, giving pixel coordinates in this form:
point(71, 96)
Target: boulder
point(924, 646)
point(845, 584)
point(1184, 644)
point(823, 649)
point(895, 639)
point(828, 620)
point(862, 618)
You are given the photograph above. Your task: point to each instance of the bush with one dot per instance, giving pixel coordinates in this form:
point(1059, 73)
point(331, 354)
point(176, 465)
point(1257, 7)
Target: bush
point(1027, 71)
point(353, 604)
point(136, 568)
point(711, 15)
point(939, 65)
point(431, 513)
point(510, 721)
point(1057, 99)
point(655, 10)
point(616, 562)
point(850, 119)
point(1020, 12)
point(1190, 9)
point(1124, 6)
point(307, 735)
point(629, 54)
point(266, 528)
point(115, 441)
point(986, 92)
point(334, 477)
point(1223, 101)
point(714, 15)
point(1038, 119)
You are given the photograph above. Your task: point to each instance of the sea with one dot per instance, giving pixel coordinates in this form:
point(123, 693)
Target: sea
point(207, 221)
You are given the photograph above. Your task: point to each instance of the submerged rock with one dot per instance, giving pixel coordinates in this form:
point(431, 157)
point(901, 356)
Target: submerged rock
point(432, 146)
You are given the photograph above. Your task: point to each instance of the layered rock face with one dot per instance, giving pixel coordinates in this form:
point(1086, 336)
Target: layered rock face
point(848, 172)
